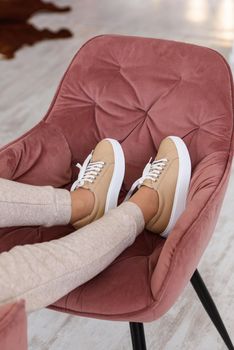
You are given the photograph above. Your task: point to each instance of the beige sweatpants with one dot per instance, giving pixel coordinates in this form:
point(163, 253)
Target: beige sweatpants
point(42, 273)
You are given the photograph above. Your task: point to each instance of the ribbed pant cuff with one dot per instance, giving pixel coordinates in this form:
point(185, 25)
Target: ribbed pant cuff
point(63, 206)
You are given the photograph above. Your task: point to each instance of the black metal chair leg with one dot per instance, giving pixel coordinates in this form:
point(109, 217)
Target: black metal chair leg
point(137, 335)
point(209, 305)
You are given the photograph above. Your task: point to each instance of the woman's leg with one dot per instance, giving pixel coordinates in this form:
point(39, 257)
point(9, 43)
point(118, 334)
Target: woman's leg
point(44, 272)
point(26, 205)
point(29, 205)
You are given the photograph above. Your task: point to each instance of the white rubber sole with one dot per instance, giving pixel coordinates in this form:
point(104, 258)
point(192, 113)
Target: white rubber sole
point(117, 177)
point(182, 184)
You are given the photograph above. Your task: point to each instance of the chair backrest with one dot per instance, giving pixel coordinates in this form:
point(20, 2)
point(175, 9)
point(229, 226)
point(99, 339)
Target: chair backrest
point(139, 90)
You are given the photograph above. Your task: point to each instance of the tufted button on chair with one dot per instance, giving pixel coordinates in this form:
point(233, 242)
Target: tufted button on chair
point(138, 91)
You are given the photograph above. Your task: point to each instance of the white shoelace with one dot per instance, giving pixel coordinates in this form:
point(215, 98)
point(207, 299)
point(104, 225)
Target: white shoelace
point(88, 172)
point(151, 171)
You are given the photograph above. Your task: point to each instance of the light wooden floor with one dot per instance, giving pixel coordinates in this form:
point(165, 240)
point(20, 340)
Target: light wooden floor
point(27, 85)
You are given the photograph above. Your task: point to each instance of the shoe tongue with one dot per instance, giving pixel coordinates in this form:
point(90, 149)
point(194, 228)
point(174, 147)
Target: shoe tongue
point(86, 185)
point(167, 149)
point(161, 154)
point(92, 216)
point(103, 151)
point(148, 183)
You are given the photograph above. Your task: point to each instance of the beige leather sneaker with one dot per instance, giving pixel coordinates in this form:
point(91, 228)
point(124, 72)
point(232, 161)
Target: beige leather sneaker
point(169, 174)
point(102, 173)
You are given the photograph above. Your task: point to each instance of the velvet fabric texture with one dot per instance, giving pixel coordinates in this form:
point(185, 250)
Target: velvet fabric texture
point(13, 326)
point(138, 91)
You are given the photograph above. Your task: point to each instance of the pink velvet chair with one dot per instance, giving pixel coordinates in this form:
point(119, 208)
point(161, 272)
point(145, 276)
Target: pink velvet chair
point(138, 91)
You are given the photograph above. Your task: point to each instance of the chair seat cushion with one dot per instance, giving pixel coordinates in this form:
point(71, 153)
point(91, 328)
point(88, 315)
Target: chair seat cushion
point(123, 288)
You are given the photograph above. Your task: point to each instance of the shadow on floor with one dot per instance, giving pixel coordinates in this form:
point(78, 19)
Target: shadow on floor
point(16, 32)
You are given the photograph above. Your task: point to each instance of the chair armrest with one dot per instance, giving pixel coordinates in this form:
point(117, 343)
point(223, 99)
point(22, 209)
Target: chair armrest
point(13, 326)
point(185, 245)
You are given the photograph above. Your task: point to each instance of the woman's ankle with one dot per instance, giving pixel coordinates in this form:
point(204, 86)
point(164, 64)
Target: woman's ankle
point(82, 201)
point(147, 200)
